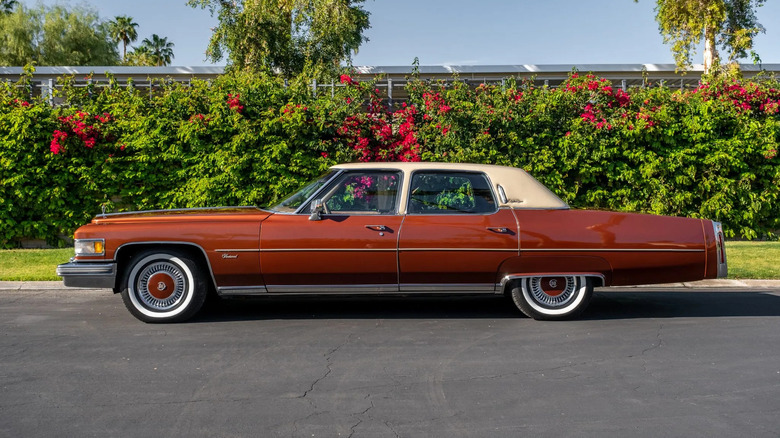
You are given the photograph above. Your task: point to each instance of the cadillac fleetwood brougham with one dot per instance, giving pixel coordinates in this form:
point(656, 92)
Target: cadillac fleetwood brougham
point(392, 228)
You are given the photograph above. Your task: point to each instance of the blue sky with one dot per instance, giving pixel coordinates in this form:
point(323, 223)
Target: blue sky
point(459, 32)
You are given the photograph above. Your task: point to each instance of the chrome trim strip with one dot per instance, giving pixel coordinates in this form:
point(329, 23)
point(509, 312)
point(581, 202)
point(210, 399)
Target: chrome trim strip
point(237, 250)
point(509, 277)
point(331, 288)
point(77, 268)
point(348, 289)
point(611, 249)
point(177, 210)
point(514, 250)
point(449, 288)
point(242, 290)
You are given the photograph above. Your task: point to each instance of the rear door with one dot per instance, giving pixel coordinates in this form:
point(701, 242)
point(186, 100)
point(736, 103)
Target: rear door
point(454, 237)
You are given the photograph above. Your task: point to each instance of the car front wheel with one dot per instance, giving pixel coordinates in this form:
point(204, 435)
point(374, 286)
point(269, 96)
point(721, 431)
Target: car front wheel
point(552, 297)
point(163, 286)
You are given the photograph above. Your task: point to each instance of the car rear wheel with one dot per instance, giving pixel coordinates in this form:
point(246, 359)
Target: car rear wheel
point(552, 297)
point(163, 286)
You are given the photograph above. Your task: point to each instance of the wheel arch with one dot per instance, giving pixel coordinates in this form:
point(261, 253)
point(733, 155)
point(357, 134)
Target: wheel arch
point(535, 264)
point(126, 251)
point(598, 279)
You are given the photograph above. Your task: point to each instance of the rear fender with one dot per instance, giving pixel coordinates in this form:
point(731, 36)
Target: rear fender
point(544, 265)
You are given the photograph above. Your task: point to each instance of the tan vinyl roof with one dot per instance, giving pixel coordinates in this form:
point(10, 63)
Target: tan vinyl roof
point(521, 189)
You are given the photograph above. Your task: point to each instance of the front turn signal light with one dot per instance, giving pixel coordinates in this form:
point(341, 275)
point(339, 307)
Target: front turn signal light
point(90, 247)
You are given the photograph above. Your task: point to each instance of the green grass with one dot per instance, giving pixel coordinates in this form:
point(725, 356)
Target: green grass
point(32, 264)
point(757, 260)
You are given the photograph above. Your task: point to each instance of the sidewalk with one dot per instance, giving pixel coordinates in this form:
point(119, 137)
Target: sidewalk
point(719, 283)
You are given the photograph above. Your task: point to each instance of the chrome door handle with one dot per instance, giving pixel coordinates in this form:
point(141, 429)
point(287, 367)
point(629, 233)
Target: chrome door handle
point(377, 227)
point(502, 230)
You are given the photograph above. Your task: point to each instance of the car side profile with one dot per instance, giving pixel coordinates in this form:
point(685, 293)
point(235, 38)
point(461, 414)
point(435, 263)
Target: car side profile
point(397, 229)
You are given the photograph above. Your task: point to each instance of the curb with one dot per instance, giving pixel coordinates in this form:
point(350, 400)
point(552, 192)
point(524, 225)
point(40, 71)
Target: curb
point(717, 283)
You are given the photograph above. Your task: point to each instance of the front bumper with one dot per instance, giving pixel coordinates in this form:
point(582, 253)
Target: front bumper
point(93, 275)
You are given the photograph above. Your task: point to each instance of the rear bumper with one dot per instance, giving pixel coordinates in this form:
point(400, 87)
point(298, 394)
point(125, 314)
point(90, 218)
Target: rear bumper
point(93, 275)
point(720, 246)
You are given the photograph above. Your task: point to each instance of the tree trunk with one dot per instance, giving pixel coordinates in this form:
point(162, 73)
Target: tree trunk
point(710, 51)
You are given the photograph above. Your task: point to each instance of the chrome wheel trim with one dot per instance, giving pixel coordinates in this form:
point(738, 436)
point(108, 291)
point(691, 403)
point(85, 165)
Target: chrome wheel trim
point(154, 307)
point(143, 283)
point(552, 301)
point(578, 285)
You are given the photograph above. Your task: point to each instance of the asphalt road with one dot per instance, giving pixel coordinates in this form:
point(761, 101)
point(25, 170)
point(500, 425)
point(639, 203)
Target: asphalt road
point(642, 362)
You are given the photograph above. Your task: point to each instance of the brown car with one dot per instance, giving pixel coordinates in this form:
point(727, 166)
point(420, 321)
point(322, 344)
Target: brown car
point(392, 228)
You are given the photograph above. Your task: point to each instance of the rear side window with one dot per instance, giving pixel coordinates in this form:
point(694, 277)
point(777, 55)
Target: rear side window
point(450, 193)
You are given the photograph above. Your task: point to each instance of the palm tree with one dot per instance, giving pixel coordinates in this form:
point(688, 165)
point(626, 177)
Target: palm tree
point(161, 50)
point(140, 56)
point(122, 29)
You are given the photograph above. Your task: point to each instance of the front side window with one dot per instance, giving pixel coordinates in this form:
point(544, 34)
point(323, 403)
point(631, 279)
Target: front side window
point(450, 193)
point(294, 201)
point(372, 192)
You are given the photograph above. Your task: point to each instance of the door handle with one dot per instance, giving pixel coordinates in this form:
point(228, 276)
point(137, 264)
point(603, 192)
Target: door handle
point(377, 227)
point(501, 230)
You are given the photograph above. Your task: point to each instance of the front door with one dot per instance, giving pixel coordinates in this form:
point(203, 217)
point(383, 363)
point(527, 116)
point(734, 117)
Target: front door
point(351, 248)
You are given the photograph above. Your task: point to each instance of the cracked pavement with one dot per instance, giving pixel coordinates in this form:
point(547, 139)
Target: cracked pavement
point(641, 362)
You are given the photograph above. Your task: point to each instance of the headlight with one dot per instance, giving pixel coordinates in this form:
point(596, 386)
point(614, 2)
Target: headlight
point(90, 247)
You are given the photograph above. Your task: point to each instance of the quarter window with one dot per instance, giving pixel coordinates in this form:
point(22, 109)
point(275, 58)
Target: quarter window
point(450, 193)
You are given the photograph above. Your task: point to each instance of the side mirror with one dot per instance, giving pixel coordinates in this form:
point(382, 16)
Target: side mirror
point(317, 207)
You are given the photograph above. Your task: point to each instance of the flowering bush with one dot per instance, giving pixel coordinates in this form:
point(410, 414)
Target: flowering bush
point(708, 152)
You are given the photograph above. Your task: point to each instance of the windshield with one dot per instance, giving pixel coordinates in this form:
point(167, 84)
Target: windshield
point(292, 203)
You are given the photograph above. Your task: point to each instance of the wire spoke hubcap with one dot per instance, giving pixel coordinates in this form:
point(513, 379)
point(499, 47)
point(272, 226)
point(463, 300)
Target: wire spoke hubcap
point(161, 285)
point(553, 291)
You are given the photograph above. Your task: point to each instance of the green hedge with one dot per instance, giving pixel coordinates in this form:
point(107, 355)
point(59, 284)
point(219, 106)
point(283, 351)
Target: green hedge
point(237, 140)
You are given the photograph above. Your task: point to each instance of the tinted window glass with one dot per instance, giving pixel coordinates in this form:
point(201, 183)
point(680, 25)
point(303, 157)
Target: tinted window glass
point(364, 192)
point(450, 193)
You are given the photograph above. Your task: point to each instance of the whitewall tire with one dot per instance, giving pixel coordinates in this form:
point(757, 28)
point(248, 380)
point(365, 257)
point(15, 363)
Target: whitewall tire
point(552, 297)
point(163, 286)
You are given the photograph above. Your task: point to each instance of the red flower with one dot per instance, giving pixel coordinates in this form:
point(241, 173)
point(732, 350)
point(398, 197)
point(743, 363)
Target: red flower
point(234, 103)
point(347, 80)
point(56, 142)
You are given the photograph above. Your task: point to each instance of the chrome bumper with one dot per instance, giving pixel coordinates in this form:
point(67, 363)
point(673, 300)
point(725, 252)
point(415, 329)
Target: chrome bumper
point(93, 275)
point(720, 248)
